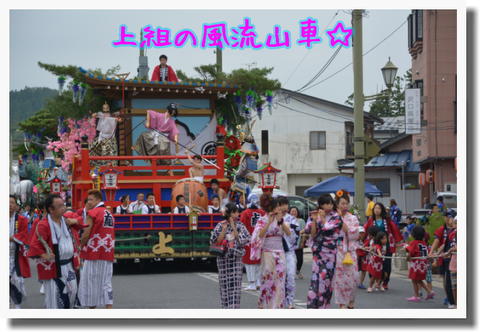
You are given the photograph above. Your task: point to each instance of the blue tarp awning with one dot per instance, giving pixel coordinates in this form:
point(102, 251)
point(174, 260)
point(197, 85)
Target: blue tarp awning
point(337, 183)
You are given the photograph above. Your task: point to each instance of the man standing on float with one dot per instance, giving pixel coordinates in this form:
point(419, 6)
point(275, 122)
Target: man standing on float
point(151, 143)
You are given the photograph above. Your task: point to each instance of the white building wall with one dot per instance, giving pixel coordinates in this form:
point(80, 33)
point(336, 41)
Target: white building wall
point(412, 195)
point(289, 142)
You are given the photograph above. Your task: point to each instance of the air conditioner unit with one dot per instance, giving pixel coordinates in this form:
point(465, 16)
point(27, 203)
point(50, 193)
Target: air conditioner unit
point(451, 187)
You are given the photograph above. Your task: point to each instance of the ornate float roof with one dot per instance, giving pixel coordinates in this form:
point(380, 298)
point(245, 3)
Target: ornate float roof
point(103, 82)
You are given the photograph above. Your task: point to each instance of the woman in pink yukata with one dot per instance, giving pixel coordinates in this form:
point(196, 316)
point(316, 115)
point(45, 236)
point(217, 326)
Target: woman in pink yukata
point(346, 276)
point(267, 245)
point(324, 226)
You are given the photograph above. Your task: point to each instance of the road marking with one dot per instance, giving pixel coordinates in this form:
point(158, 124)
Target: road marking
point(214, 277)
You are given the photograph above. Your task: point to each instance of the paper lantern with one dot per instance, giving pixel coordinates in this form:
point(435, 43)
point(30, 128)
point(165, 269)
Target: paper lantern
point(422, 179)
point(430, 175)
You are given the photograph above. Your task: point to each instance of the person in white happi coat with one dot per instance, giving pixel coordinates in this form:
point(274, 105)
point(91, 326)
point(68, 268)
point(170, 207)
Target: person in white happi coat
point(98, 243)
point(55, 248)
point(19, 267)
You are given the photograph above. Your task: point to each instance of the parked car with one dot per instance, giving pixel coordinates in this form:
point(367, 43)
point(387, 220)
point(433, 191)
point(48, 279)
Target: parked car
point(276, 192)
point(303, 205)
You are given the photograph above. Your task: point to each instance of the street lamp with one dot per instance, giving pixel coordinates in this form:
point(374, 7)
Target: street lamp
point(389, 72)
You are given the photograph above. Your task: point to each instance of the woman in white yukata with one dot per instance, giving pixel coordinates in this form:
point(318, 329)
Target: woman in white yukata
point(230, 267)
point(290, 259)
point(345, 280)
point(267, 244)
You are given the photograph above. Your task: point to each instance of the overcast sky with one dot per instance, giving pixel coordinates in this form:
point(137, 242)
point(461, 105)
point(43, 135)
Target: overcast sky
point(83, 38)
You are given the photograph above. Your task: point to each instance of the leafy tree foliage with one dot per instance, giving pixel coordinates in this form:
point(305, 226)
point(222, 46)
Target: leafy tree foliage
point(63, 105)
point(380, 106)
point(255, 79)
point(24, 104)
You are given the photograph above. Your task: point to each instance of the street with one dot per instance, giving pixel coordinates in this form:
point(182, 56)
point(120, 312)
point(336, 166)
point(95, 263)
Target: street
point(192, 285)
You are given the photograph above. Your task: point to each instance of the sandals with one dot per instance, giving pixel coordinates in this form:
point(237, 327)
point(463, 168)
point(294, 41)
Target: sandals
point(299, 275)
point(349, 307)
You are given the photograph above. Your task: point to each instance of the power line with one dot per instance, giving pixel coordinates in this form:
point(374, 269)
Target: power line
point(321, 71)
point(310, 48)
point(448, 127)
point(363, 55)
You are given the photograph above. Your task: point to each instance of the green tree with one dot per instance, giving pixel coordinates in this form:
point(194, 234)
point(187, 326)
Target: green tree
point(24, 103)
point(63, 105)
point(380, 106)
point(255, 79)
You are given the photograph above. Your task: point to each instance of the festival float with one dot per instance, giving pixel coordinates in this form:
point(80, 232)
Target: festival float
point(165, 235)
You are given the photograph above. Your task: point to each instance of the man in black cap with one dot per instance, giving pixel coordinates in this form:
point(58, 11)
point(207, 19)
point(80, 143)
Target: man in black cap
point(151, 143)
point(163, 72)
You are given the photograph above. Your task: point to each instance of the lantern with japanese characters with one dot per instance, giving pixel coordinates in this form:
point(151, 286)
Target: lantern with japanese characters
point(55, 185)
point(430, 175)
point(110, 178)
point(268, 177)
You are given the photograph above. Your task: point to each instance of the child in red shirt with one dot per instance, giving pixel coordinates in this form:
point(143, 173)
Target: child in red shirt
point(362, 262)
point(375, 265)
point(418, 267)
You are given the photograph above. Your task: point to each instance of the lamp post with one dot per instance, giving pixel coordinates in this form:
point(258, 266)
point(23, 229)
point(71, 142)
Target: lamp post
point(389, 72)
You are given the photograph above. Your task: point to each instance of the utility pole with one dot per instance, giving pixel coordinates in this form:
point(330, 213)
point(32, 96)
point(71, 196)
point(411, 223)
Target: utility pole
point(404, 193)
point(358, 102)
point(219, 59)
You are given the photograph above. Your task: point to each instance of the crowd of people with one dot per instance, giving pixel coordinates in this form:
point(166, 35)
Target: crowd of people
point(343, 252)
point(74, 251)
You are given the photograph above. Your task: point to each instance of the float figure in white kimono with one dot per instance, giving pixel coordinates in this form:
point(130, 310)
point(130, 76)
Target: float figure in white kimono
point(105, 144)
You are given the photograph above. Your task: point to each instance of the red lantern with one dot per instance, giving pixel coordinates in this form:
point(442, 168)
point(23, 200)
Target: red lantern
point(55, 183)
point(430, 176)
point(268, 175)
point(421, 179)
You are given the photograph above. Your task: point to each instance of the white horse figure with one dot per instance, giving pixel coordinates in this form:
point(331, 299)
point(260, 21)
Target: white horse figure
point(26, 191)
point(15, 180)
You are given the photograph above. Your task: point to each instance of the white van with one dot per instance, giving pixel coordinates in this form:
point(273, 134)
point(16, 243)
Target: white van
point(449, 199)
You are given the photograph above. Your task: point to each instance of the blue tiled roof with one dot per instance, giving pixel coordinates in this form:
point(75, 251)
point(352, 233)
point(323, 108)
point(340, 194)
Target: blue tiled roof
point(391, 159)
point(84, 71)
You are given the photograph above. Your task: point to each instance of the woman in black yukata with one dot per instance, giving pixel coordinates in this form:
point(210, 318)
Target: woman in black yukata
point(235, 236)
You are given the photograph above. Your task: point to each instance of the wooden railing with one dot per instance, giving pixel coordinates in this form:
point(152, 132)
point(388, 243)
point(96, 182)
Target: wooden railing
point(81, 167)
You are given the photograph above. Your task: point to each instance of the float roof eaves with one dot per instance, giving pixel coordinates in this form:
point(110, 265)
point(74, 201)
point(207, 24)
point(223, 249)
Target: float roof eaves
point(92, 78)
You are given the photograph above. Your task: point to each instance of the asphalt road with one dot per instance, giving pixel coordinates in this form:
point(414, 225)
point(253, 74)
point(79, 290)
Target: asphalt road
point(192, 284)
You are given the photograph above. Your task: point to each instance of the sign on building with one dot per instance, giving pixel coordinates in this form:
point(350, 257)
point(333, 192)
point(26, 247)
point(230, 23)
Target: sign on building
point(412, 111)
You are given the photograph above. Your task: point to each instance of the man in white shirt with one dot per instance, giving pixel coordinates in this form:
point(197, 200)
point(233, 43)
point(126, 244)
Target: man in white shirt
point(150, 207)
point(138, 204)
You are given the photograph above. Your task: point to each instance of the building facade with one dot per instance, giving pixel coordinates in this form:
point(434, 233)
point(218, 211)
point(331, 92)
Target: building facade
point(306, 138)
point(432, 44)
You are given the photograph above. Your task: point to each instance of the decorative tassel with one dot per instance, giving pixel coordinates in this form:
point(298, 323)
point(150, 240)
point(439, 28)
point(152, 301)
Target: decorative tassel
point(83, 90)
point(61, 83)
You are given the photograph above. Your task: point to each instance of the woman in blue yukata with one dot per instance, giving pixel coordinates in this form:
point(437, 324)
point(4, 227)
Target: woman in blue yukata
point(324, 227)
point(230, 267)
